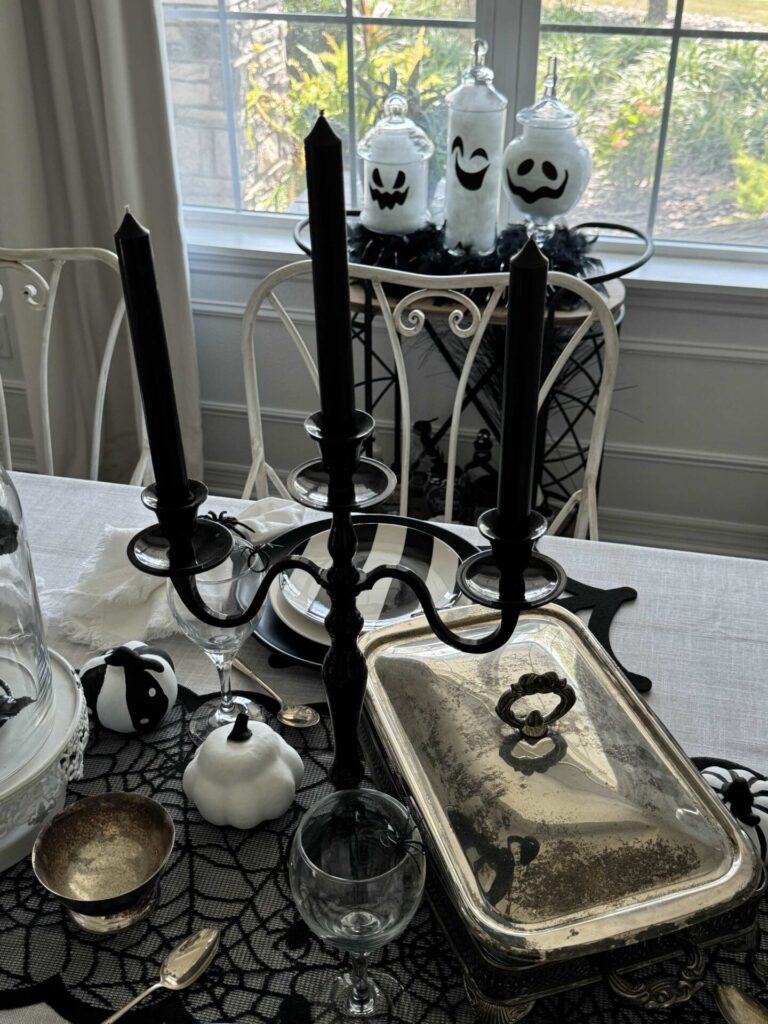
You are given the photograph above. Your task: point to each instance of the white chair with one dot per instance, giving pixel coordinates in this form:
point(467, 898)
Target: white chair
point(404, 318)
point(42, 290)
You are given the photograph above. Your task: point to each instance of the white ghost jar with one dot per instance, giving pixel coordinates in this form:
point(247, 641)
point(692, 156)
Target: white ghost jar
point(476, 118)
point(547, 168)
point(243, 774)
point(395, 155)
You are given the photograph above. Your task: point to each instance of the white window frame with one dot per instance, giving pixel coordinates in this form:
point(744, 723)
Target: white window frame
point(497, 21)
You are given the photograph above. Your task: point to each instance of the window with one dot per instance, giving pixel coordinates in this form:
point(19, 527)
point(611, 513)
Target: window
point(673, 102)
point(249, 76)
point(672, 96)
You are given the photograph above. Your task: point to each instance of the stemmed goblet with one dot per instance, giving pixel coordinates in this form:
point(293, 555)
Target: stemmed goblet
point(357, 869)
point(226, 590)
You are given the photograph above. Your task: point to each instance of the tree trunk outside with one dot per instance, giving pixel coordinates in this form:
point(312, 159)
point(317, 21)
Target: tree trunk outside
point(657, 11)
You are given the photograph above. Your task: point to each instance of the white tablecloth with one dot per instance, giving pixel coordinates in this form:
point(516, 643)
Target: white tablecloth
point(697, 628)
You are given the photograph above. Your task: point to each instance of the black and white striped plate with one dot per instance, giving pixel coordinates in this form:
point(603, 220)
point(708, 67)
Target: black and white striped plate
point(434, 558)
point(428, 548)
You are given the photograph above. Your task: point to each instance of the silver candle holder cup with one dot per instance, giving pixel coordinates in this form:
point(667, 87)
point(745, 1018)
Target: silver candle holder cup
point(103, 857)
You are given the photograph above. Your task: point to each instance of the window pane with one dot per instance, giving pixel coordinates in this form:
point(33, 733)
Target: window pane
point(616, 85)
point(659, 13)
point(734, 16)
point(423, 63)
point(715, 180)
point(287, 6)
point(284, 73)
point(169, 5)
point(422, 9)
point(199, 112)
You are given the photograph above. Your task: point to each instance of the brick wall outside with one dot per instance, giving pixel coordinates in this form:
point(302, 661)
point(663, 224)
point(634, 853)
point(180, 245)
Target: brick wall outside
point(200, 115)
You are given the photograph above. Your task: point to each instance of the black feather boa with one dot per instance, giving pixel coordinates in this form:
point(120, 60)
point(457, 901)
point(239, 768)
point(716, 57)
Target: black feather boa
point(424, 252)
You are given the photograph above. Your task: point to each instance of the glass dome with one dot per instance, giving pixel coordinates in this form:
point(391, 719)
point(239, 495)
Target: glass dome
point(26, 692)
point(395, 138)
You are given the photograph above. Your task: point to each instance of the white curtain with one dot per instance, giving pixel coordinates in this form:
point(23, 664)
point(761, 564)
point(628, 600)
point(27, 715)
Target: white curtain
point(84, 131)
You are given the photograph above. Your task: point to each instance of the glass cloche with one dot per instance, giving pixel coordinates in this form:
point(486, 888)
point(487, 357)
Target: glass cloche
point(26, 692)
point(395, 154)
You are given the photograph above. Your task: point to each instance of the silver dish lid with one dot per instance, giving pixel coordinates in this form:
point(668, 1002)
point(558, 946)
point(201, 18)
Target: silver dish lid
point(599, 834)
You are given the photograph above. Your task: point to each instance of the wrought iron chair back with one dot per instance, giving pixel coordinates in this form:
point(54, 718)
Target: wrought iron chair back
point(468, 319)
point(41, 291)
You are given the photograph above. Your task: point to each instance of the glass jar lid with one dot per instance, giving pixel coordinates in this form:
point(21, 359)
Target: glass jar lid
point(549, 111)
point(476, 91)
point(395, 138)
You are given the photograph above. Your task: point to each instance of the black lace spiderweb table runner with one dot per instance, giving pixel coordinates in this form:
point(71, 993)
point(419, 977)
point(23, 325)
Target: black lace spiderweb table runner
point(269, 966)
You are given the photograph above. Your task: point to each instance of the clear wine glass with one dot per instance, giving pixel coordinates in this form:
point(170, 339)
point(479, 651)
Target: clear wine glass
point(357, 868)
point(226, 589)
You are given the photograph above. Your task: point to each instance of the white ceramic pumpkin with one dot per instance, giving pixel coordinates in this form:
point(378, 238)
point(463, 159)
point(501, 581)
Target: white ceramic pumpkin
point(243, 774)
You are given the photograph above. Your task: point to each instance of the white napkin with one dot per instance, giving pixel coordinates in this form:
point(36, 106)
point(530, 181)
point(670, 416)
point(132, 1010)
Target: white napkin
point(112, 602)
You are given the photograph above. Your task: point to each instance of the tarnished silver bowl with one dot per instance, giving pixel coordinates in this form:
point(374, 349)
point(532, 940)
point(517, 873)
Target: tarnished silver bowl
point(103, 857)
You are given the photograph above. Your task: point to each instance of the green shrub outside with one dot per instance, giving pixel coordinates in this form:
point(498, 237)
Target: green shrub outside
point(719, 113)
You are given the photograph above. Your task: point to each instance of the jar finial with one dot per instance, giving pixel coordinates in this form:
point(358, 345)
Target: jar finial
point(395, 106)
point(550, 81)
point(479, 50)
point(478, 72)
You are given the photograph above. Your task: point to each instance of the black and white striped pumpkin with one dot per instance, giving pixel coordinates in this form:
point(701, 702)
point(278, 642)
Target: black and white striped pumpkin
point(130, 688)
point(745, 794)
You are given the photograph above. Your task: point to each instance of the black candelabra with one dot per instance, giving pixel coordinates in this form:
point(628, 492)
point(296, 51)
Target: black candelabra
point(511, 576)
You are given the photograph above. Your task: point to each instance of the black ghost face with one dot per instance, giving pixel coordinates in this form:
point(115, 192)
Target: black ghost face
point(544, 191)
point(470, 180)
point(395, 197)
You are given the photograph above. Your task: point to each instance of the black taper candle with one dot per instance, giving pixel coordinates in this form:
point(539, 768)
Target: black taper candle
point(526, 303)
point(330, 277)
point(153, 365)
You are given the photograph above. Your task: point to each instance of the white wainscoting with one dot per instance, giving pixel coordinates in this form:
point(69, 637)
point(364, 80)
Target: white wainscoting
point(686, 462)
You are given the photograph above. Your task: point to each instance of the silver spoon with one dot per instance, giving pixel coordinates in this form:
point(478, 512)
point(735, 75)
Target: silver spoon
point(297, 716)
point(739, 1008)
point(181, 967)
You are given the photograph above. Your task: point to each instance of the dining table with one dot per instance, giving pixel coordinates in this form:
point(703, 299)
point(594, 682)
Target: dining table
point(697, 630)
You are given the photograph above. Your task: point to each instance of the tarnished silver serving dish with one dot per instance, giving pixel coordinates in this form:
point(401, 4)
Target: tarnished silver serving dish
point(571, 838)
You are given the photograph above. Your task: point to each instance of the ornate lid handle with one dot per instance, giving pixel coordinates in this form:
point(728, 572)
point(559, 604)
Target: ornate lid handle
point(535, 725)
